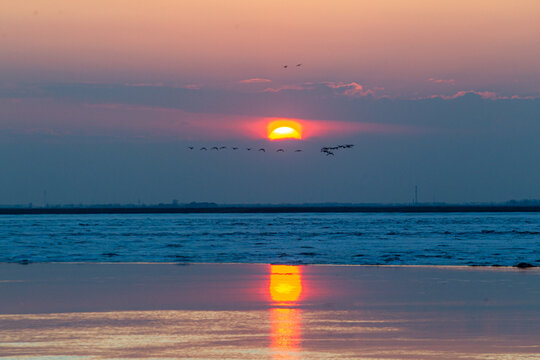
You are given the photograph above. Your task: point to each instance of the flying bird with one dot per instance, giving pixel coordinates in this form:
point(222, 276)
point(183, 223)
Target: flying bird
point(297, 150)
point(190, 147)
point(248, 149)
point(215, 148)
point(280, 150)
point(235, 148)
point(222, 147)
point(261, 149)
point(298, 65)
point(203, 148)
point(285, 66)
point(327, 151)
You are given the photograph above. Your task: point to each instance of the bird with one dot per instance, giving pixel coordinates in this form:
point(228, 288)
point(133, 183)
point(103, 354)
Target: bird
point(297, 150)
point(235, 148)
point(280, 150)
point(327, 149)
point(298, 65)
point(248, 149)
point(190, 147)
point(222, 147)
point(203, 148)
point(285, 66)
point(261, 149)
point(215, 148)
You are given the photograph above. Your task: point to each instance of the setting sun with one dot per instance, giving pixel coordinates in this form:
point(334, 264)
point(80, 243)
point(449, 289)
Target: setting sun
point(284, 129)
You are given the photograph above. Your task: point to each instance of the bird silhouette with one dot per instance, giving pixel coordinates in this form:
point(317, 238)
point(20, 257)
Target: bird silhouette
point(215, 148)
point(235, 148)
point(298, 65)
point(297, 150)
point(327, 150)
point(261, 149)
point(203, 148)
point(280, 150)
point(222, 147)
point(248, 149)
point(285, 66)
point(190, 147)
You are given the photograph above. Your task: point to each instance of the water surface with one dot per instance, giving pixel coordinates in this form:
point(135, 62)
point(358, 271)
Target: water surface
point(360, 238)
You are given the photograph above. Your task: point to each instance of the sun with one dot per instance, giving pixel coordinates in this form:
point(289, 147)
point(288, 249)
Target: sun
point(284, 129)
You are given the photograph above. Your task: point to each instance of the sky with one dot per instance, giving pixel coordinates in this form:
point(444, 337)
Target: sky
point(100, 101)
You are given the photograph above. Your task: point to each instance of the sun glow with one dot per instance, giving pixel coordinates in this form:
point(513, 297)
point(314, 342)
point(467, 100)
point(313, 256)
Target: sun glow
point(285, 283)
point(284, 129)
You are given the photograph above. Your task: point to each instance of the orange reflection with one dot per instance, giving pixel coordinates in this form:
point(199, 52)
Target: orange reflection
point(284, 129)
point(286, 333)
point(285, 283)
point(285, 289)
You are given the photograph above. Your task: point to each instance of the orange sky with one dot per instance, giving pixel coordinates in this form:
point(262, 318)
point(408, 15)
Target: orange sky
point(388, 43)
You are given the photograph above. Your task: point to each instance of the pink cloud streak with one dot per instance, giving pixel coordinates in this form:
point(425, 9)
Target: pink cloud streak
point(255, 81)
point(352, 89)
point(488, 95)
point(442, 81)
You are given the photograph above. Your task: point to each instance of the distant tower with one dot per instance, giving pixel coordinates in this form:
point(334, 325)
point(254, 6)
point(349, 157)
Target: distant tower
point(416, 194)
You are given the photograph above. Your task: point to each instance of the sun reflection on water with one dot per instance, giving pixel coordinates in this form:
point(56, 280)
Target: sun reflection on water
point(286, 323)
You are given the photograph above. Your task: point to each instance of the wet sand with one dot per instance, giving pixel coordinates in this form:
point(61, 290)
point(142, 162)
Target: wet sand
point(245, 311)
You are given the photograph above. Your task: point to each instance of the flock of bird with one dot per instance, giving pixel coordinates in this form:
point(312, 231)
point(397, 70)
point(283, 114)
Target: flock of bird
point(286, 66)
point(204, 148)
point(328, 150)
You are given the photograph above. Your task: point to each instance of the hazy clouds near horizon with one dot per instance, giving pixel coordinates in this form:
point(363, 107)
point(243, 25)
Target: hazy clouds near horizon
point(458, 150)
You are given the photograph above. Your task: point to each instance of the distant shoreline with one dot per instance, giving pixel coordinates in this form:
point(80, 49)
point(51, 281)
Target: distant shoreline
point(275, 209)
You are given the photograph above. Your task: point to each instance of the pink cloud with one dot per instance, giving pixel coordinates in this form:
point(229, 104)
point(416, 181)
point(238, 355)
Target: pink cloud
point(490, 95)
point(352, 89)
point(117, 121)
point(158, 84)
point(290, 87)
point(442, 81)
point(192, 86)
point(255, 81)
